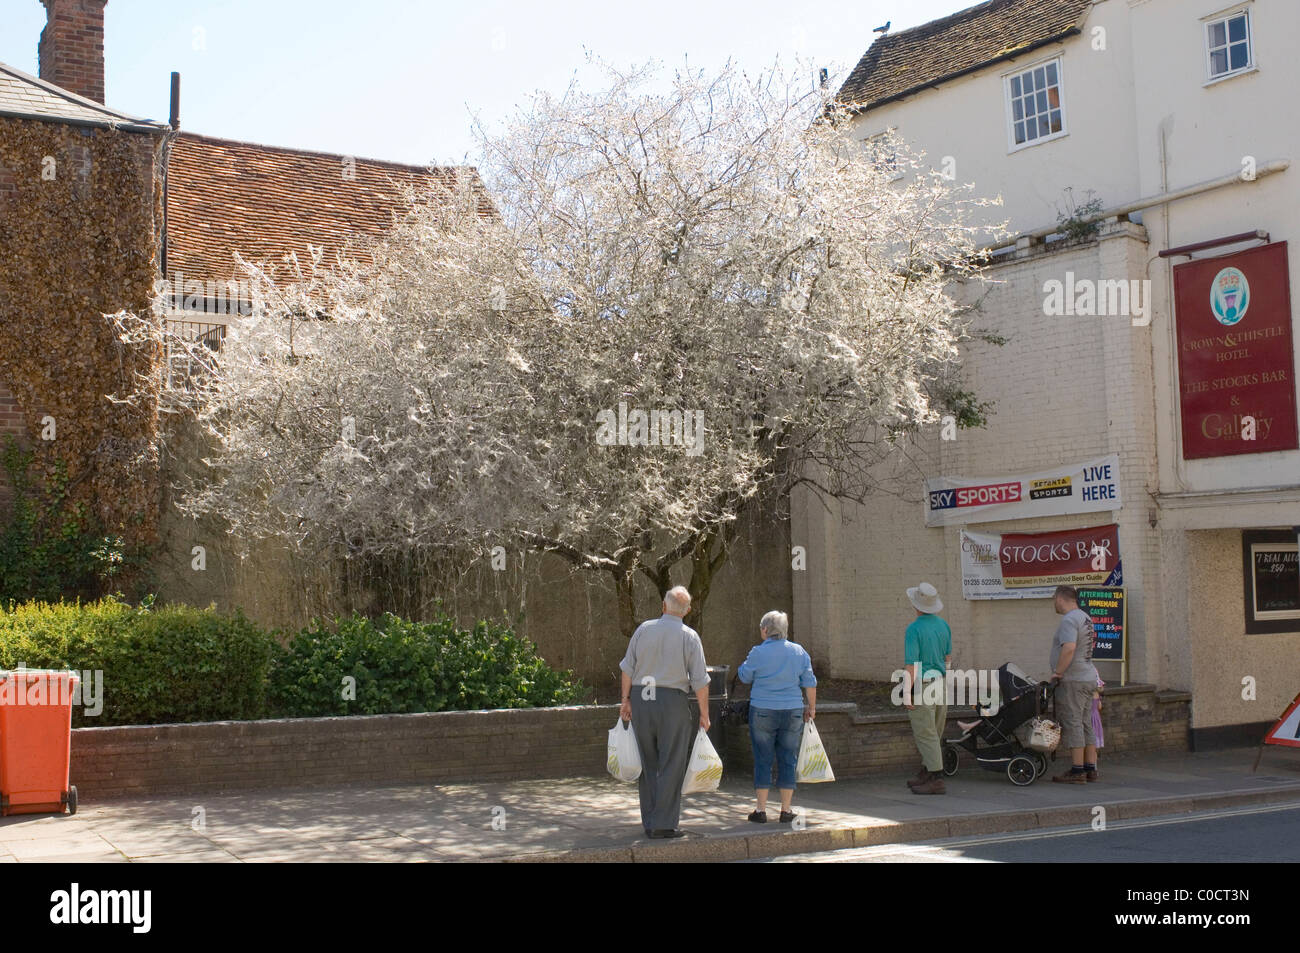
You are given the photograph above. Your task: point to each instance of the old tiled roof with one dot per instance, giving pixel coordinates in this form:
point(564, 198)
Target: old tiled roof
point(29, 97)
point(899, 64)
point(263, 202)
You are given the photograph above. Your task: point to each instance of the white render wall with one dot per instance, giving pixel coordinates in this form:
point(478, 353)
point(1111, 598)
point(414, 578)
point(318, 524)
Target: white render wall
point(967, 120)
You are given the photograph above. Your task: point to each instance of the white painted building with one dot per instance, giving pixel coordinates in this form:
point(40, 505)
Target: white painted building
point(1176, 116)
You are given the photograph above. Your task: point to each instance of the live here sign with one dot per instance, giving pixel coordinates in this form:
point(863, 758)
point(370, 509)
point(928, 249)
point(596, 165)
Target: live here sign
point(1088, 487)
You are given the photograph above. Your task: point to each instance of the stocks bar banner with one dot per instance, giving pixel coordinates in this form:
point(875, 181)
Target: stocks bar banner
point(1088, 487)
point(1032, 565)
point(1235, 360)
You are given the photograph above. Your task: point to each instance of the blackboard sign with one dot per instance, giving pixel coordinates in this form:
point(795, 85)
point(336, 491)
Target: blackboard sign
point(1108, 609)
point(1271, 569)
point(1277, 580)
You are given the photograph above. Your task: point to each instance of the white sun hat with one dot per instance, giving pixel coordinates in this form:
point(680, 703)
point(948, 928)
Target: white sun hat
point(925, 598)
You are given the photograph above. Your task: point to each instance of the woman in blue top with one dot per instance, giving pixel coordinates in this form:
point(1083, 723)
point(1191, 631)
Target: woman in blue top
point(777, 668)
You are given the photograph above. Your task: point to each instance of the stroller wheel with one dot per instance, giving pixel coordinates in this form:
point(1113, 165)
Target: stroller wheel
point(949, 761)
point(1021, 770)
point(1040, 763)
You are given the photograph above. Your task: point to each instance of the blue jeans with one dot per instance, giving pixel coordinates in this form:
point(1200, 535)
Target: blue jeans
point(775, 734)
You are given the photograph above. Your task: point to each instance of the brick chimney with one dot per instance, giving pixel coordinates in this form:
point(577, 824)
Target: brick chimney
point(72, 46)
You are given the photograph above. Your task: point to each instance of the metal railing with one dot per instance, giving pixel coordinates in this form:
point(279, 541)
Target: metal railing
point(198, 331)
point(183, 368)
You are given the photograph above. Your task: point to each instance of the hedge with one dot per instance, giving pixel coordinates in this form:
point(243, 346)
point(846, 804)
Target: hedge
point(183, 664)
point(159, 665)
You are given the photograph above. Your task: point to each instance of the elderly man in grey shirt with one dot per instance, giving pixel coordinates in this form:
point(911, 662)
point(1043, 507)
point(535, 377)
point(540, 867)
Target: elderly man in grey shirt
point(665, 660)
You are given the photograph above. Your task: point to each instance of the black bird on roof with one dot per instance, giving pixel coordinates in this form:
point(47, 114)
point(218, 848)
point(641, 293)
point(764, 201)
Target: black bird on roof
point(882, 29)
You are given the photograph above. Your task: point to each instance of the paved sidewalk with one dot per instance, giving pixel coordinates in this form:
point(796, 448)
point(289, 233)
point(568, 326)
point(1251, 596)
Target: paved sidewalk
point(596, 819)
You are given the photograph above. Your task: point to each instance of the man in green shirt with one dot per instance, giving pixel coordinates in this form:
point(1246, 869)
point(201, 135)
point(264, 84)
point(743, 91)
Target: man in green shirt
point(927, 651)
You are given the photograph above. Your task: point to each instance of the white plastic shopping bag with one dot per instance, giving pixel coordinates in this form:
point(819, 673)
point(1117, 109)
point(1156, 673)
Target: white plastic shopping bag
point(622, 756)
point(704, 770)
point(813, 766)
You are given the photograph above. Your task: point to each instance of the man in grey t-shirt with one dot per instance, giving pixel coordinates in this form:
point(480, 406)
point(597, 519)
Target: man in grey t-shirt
point(1075, 678)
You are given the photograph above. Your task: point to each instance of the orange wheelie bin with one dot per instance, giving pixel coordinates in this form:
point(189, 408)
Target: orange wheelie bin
point(36, 741)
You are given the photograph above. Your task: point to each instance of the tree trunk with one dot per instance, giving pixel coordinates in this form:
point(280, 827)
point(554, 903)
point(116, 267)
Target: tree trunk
point(624, 585)
point(702, 567)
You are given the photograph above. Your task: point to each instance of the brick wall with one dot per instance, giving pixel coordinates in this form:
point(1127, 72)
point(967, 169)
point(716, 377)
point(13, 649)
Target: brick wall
point(1135, 718)
point(8, 186)
point(376, 749)
point(493, 746)
point(11, 424)
point(71, 47)
point(11, 415)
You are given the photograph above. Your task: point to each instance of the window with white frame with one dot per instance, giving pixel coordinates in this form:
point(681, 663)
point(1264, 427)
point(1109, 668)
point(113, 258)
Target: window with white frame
point(1034, 100)
point(1227, 44)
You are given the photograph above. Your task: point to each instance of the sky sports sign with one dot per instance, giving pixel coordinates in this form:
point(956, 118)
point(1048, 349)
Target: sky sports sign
point(1088, 487)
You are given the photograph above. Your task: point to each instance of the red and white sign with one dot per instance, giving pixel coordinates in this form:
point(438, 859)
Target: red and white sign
point(1032, 565)
point(1235, 362)
point(1287, 730)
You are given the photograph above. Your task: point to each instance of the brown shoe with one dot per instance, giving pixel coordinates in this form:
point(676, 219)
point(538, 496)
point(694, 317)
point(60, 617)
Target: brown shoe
point(1071, 777)
point(932, 786)
point(921, 778)
point(1092, 775)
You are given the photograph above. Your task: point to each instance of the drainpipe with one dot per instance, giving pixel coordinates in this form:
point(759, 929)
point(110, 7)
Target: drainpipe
point(1180, 465)
point(174, 120)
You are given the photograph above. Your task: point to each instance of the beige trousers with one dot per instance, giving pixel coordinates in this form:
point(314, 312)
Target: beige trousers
point(928, 724)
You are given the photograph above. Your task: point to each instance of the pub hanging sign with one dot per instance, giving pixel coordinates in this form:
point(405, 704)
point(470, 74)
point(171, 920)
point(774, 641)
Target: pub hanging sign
point(1235, 358)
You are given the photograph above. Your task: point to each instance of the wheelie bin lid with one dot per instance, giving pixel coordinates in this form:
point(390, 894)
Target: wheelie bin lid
point(9, 672)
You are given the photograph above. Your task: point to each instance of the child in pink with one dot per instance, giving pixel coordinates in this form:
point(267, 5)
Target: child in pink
point(1096, 710)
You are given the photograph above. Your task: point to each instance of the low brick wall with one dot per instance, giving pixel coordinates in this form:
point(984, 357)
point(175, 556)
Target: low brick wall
point(1140, 718)
point(497, 746)
point(365, 749)
point(1135, 718)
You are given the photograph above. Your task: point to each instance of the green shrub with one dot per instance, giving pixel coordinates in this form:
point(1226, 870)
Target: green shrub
point(51, 547)
point(1081, 223)
point(182, 664)
point(401, 666)
point(169, 664)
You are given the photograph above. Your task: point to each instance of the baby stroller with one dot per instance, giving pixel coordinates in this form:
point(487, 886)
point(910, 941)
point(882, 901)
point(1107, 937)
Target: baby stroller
point(994, 739)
